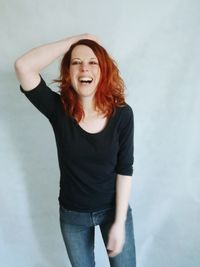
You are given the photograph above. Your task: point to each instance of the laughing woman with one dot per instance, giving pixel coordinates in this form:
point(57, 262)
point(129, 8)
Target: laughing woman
point(93, 127)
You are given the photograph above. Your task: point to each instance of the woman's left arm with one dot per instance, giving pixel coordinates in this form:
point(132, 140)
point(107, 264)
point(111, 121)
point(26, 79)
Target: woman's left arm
point(116, 237)
point(124, 171)
point(123, 190)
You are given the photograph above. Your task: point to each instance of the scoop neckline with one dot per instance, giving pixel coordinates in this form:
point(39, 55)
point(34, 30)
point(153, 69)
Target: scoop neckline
point(93, 134)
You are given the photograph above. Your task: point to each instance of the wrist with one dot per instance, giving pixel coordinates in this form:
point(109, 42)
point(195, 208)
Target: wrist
point(119, 221)
point(69, 41)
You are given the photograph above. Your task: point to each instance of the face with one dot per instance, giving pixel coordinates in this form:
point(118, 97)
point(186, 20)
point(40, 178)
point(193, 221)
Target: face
point(84, 71)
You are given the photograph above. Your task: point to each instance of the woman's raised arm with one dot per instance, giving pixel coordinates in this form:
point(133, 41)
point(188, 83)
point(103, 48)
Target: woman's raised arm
point(29, 65)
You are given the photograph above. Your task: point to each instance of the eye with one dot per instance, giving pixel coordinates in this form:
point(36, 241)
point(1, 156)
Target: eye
point(75, 62)
point(93, 63)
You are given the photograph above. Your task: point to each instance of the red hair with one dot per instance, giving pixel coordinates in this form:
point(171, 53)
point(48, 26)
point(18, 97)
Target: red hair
point(110, 89)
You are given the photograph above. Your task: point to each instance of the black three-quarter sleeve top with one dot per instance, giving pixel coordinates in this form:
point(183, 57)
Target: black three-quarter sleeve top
point(88, 162)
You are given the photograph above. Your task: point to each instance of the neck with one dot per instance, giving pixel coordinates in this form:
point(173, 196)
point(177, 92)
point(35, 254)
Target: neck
point(88, 106)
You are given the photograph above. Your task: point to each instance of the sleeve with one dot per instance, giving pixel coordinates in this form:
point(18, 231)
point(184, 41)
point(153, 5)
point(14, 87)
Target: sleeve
point(125, 157)
point(43, 98)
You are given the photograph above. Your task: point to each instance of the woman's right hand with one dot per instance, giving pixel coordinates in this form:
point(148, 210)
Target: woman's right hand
point(86, 36)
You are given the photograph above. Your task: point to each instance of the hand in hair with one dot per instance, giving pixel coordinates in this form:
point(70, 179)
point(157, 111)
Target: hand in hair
point(86, 36)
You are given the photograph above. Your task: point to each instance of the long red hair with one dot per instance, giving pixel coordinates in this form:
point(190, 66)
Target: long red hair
point(110, 89)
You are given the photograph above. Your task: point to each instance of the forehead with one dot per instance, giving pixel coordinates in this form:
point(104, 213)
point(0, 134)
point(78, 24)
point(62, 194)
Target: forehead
point(82, 51)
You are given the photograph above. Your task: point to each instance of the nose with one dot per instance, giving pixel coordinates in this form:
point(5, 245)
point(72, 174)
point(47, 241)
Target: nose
point(84, 67)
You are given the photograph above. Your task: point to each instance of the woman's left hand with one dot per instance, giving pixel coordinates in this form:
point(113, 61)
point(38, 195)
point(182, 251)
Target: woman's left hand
point(116, 239)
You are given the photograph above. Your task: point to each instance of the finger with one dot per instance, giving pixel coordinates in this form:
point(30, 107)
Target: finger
point(113, 253)
point(111, 247)
point(110, 244)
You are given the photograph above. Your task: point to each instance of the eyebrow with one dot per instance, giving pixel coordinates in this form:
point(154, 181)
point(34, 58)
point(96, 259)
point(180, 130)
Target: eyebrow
point(80, 59)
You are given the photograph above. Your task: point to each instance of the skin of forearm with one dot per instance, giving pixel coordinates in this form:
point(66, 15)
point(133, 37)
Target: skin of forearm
point(123, 190)
point(40, 57)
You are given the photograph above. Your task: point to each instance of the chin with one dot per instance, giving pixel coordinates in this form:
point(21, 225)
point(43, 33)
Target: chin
point(87, 95)
point(86, 91)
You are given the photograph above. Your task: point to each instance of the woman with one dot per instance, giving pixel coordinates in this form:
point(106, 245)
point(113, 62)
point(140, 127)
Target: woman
point(93, 127)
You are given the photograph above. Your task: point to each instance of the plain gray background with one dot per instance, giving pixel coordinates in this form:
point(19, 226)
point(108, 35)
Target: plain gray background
point(156, 45)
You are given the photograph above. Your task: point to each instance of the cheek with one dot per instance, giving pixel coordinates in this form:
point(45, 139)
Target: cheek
point(71, 71)
point(72, 75)
point(97, 73)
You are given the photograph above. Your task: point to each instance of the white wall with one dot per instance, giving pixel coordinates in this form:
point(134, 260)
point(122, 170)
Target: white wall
point(156, 45)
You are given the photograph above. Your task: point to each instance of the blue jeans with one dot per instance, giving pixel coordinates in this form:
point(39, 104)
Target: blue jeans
point(78, 229)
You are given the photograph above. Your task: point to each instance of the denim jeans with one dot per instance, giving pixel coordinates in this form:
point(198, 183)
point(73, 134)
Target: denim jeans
point(78, 231)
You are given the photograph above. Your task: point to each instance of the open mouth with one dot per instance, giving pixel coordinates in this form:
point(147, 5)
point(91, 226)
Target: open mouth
point(85, 80)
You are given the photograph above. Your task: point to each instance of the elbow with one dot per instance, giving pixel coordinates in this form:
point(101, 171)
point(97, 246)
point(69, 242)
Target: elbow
point(20, 67)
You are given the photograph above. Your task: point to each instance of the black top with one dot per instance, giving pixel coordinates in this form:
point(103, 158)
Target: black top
point(89, 162)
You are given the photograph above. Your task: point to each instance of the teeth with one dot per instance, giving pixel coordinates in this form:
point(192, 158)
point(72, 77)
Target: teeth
point(85, 79)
